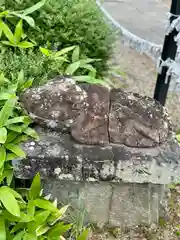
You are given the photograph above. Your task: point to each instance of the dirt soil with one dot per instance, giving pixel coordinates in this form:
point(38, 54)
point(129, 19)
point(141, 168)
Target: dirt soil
point(141, 77)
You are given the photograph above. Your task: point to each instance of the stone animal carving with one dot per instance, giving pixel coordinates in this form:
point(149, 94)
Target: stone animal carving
point(94, 114)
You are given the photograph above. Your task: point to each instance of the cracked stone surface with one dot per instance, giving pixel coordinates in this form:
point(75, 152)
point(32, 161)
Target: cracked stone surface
point(94, 114)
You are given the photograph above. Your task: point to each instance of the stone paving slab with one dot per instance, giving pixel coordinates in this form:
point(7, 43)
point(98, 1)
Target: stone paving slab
point(144, 18)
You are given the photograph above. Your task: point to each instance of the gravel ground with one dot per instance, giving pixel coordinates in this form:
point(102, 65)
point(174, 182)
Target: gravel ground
point(168, 229)
point(141, 78)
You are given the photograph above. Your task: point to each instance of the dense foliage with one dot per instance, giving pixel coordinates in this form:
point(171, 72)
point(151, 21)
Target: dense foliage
point(62, 23)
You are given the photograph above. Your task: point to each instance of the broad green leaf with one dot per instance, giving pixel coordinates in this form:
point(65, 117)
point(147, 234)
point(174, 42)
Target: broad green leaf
point(9, 201)
point(3, 79)
point(2, 155)
point(72, 68)
point(19, 236)
point(64, 51)
point(26, 85)
point(17, 227)
point(11, 136)
point(41, 217)
point(35, 188)
point(88, 60)
point(7, 110)
point(34, 8)
point(31, 132)
point(75, 55)
point(9, 176)
point(3, 135)
point(16, 128)
point(9, 43)
point(178, 137)
point(11, 156)
point(45, 204)
point(23, 119)
point(84, 235)
point(42, 229)
point(90, 80)
point(1, 31)
point(2, 2)
point(16, 194)
point(25, 44)
point(18, 31)
point(88, 67)
point(3, 14)
point(20, 78)
point(16, 149)
point(30, 236)
point(7, 31)
point(30, 208)
point(29, 20)
point(6, 95)
point(45, 51)
point(59, 229)
point(2, 229)
point(21, 139)
point(57, 216)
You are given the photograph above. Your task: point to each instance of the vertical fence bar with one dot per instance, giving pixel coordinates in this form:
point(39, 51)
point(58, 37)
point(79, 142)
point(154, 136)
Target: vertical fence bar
point(169, 51)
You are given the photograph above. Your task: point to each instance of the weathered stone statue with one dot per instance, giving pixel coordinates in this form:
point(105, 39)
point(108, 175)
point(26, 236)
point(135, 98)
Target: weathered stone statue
point(114, 148)
point(96, 115)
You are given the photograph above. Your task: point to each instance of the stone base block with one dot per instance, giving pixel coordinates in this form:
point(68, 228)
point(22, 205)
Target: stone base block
point(114, 205)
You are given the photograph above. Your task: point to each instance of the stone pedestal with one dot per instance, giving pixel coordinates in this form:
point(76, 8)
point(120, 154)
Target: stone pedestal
point(117, 185)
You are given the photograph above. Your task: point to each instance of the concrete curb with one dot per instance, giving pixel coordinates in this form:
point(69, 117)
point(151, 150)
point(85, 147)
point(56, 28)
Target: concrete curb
point(152, 50)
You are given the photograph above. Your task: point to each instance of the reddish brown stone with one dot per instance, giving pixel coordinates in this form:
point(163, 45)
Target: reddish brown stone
point(91, 127)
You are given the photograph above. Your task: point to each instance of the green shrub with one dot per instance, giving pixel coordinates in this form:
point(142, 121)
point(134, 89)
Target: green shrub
point(63, 23)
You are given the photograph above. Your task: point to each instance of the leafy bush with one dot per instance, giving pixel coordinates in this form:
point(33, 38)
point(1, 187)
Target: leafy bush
point(64, 23)
point(24, 214)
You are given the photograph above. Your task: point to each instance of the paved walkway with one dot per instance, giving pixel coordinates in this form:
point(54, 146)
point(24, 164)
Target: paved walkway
point(144, 18)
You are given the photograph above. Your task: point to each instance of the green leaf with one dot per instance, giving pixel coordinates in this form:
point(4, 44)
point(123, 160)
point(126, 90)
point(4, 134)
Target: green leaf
point(45, 204)
point(20, 139)
point(18, 31)
point(64, 51)
point(11, 156)
point(9, 176)
point(6, 96)
point(35, 188)
point(31, 132)
point(16, 149)
point(30, 208)
point(29, 20)
point(3, 79)
point(72, 68)
point(75, 55)
point(16, 128)
point(3, 14)
point(19, 236)
point(88, 60)
point(59, 229)
point(41, 217)
point(88, 67)
point(42, 229)
point(30, 236)
point(178, 137)
point(2, 229)
point(17, 227)
point(26, 85)
point(20, 79)
point(84, 235)
point(9, 43)
point(57, 216)
point(25, 44)
point(9, 201)
point(23, 119)
point(7, 110)
point(45, 51)
point(2, 156)
point(34, 8)
point(7, 31)
point(3, 135)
